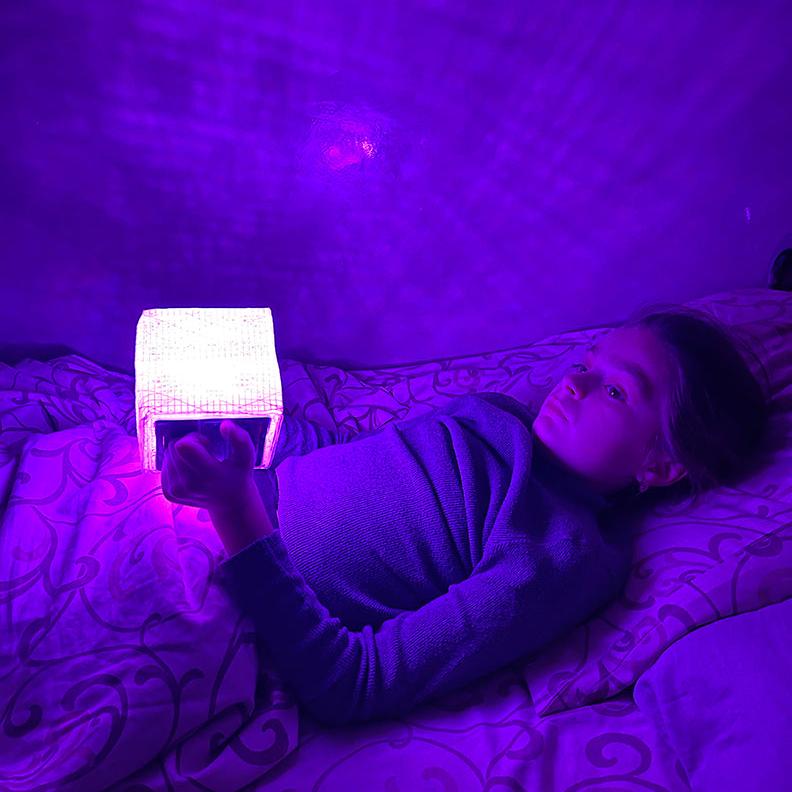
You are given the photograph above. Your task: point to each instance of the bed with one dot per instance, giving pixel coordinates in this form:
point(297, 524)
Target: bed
point(126, 666)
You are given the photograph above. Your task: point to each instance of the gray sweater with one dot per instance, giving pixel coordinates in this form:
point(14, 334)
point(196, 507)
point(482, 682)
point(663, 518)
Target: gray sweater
point(413, 559)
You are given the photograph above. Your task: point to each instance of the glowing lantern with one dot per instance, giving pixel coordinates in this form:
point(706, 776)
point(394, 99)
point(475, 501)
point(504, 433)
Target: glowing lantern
point(195, 367)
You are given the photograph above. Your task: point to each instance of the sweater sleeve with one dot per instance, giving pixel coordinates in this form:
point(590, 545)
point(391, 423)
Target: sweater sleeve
point(299, 436)
point(341, 676)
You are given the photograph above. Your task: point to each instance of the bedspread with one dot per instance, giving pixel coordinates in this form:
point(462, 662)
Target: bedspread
point(125, 665)
point(118, 646)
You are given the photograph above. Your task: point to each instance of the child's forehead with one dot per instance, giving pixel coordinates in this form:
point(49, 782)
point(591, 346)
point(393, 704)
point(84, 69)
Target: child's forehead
point(636, 344)
point(637, 366)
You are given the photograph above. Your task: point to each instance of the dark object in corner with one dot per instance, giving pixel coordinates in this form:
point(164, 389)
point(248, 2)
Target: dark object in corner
point(781, 271)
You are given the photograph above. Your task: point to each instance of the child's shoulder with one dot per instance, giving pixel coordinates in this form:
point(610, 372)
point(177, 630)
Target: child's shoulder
point(502, 400)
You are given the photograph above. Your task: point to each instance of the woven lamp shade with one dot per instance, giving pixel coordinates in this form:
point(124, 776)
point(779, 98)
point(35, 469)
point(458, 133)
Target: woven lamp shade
point(198, 364)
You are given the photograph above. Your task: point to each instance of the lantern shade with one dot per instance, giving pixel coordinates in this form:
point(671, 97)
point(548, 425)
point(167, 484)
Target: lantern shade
point(201, 364)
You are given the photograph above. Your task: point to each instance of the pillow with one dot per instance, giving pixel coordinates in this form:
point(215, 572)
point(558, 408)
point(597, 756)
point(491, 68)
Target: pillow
point(721, 700)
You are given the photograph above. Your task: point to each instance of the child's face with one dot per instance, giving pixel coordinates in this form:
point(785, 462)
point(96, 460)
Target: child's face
point(610, 426)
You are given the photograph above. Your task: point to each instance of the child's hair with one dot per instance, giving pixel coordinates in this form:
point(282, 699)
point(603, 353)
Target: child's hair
point(716, 416)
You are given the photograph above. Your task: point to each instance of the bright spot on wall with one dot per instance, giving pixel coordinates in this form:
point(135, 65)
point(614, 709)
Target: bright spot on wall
point(349, 147)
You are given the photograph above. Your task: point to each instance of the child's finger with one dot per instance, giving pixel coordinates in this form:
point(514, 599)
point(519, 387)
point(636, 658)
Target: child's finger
point(233, 433)
point(242, 450)
point(194, 438)
point(172, 480)
point(237, 435)
point(228, 429)
point(193, 453)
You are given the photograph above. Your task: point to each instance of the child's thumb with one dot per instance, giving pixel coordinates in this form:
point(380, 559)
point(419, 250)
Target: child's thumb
point(241, 444)
point(232, 432)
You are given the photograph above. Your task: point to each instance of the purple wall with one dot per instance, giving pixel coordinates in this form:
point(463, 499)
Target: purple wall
point(397, 181)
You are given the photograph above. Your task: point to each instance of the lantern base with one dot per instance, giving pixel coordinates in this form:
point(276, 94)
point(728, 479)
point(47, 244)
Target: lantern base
point(167, 432)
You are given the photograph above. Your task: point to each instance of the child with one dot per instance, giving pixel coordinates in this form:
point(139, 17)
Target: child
point(411, 560)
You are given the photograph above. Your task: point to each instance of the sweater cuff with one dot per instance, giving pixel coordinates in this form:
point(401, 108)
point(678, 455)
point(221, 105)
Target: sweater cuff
point(261, 569)
point(308, 646)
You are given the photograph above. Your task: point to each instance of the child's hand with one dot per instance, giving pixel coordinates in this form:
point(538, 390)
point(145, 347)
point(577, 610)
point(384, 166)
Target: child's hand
point(193, 476)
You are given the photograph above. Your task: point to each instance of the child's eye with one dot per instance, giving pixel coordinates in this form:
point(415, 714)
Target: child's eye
point(609, 387)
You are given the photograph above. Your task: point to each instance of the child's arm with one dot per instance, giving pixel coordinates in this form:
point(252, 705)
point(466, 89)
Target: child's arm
point(508, 606)
point(299, 436)
point(242, 520)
